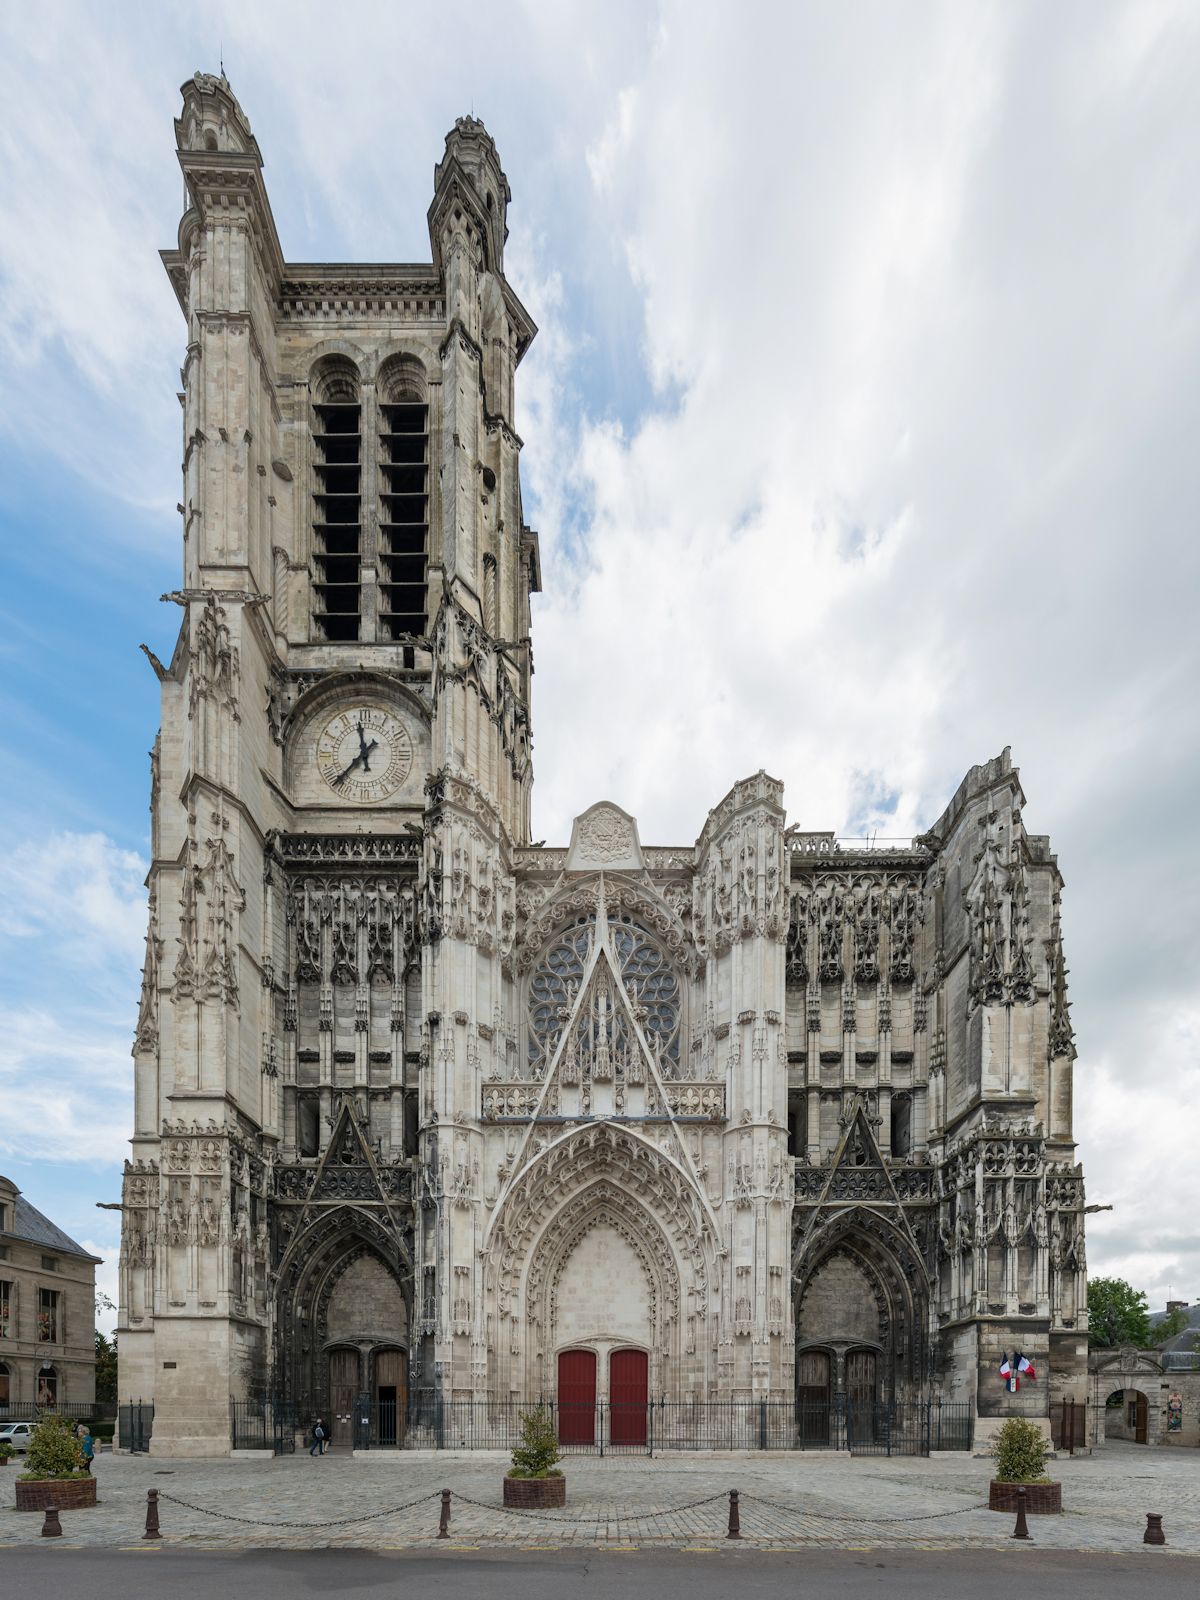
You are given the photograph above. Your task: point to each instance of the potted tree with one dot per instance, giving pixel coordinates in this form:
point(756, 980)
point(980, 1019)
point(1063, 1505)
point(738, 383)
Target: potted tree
point(6, 1452)
point(54, 1474)
point(1020, 1449)
point(533, 1481)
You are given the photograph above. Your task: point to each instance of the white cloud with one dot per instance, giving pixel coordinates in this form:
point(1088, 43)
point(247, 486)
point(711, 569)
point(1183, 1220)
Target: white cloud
point(72, 930)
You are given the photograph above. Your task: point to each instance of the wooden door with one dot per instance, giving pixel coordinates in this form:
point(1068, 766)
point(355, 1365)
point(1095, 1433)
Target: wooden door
point(812, 1396)
point(860, 1395)
point(391, 1395)
point(343, 1391)
point(628, 1393)
point(1141, 1430)
point(577, 1397)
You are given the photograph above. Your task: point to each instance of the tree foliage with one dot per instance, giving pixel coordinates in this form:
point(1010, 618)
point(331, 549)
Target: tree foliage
point(106, 1367)
point(1020, 1451)
point(538, 1449)
point(1117, 1314)
point(1167, 1327)
point(53, 1449)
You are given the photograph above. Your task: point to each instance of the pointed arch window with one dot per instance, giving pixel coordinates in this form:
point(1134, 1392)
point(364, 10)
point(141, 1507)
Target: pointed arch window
point(649, 980)
point(404, 499)
point(337, 501)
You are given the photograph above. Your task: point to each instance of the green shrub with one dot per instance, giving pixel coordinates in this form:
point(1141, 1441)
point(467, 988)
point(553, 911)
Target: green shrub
point(538, 1450)
point(102, 1430)
point(1020, 1451)
point(6, 1450)
point(53, 1449)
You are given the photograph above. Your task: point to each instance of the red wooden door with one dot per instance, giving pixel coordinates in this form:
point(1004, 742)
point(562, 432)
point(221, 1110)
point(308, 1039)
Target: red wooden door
point(628, 1379)
point(577, 1397)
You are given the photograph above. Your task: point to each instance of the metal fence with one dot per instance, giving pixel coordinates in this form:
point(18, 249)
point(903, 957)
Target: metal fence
point(135, 1424)
point(30, 1411)
point(429, 1422)
point(264, 1425)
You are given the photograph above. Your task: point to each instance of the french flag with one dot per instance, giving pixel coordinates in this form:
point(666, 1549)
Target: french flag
point(1011, 1382)
point(1025, 1368)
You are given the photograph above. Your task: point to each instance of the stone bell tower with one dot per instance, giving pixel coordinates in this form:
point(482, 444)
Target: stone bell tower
point(353, 654)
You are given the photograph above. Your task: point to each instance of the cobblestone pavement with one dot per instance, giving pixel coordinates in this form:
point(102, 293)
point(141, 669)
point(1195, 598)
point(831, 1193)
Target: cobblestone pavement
point(390, 1501)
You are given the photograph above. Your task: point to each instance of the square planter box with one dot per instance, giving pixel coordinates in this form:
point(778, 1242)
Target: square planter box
point(1041, 1499)
point(64, 1494)
point(535, 1494)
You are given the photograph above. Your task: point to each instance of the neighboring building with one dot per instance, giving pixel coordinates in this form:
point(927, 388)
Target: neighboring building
point(47, 1310)
point(1187, 1340)
point(424, 1107)
point(1145, 1396)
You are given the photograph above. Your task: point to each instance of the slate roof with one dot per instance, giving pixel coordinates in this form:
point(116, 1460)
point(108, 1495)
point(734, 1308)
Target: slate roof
point(28, 1223)
point(1182, 1340)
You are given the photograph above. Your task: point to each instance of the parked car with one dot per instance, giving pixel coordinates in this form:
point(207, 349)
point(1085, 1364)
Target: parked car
point(16, 1434)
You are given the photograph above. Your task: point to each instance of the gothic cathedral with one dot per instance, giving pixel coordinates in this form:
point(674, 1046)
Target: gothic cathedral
point(426, 1112)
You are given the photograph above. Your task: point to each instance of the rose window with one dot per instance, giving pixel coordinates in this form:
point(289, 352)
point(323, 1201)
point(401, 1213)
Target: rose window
point(647, 977)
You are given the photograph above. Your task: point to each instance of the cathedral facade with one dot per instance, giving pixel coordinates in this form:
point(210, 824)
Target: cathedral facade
point(426, 1109)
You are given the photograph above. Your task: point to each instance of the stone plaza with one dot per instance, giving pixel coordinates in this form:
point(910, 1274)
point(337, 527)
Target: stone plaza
point(786, 1501)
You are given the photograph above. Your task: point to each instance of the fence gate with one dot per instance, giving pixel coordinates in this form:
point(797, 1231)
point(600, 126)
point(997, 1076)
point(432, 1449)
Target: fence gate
point(135, 1424)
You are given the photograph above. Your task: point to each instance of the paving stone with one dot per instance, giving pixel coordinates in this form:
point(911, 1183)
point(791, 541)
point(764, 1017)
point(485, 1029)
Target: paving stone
point(785, 1501)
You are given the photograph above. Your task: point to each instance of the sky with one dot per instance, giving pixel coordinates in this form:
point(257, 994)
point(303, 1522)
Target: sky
point(860, 432)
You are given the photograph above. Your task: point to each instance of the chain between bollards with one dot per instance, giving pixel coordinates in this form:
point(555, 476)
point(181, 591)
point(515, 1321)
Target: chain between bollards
point(444, 1520)
point(51, 1526)
point(1154, 1529)
point(735, 1516)
point(152, 1515)
point(1021, 1531)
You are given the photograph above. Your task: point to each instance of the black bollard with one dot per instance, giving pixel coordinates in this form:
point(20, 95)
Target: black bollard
point(152, 1515)
point(1154, 1530)
point(444, 1520)
point(735, 1516)
point(51, 1526)
point(1021, 1531)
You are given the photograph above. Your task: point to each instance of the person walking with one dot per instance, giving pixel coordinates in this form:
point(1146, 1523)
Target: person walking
point(319, 1437)
point(88, 1446)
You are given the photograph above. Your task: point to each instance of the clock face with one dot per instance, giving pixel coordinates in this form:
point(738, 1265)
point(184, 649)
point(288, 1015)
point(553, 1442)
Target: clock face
point(364, 754)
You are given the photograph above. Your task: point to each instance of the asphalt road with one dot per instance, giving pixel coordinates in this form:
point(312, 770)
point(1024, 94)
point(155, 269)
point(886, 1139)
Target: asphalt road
point(144, 1574)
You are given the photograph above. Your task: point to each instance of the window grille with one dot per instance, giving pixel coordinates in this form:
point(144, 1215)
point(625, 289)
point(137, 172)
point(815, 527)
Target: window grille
point(404, 502)
point(337, 505)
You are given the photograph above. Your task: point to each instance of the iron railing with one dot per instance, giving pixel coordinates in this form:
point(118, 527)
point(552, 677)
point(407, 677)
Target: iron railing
point(135, 1424)
point(429, 1422)
point(30, 1411)
point(264, 1425)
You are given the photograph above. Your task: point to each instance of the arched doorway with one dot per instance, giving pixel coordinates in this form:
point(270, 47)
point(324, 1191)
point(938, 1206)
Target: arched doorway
point(390, 1396)
point(1127, 1416)
point(344, 1295)
point(862, 1395)
point(577, 1397)
point(47, 1385)
point(344, 1381)
point(814, 1393)
point(628, 1395)
point(861, 1293)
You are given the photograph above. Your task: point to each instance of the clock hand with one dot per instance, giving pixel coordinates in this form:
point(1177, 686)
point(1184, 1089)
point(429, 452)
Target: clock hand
point(342, 776)
point(366, 754)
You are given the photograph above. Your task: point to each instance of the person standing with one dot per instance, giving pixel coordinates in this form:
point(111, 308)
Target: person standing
point(318, 1438)
point(88, 1446)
